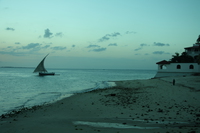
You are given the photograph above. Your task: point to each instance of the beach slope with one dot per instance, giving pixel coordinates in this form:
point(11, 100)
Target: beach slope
point(153, 105)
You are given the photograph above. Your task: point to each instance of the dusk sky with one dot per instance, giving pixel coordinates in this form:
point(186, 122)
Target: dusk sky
point(118, 34)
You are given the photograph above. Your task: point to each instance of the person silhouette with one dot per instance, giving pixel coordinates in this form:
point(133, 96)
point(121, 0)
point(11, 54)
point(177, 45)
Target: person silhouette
point(174, 81)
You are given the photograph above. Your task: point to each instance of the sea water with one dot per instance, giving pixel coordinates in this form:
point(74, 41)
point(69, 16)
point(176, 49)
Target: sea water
point(19, 87)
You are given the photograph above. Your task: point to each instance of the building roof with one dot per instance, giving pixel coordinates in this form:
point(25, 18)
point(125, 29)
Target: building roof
point(163, 62)
point(193, 47)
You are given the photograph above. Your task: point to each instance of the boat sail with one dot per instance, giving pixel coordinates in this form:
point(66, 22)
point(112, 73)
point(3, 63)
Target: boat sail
point(41, 69)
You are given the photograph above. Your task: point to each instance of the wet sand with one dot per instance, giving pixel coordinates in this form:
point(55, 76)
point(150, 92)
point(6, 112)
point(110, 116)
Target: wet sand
point(142, 106)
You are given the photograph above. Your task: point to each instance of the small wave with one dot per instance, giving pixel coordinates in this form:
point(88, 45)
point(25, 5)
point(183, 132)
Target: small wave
point(104, 84)
point(98, 85)
point(42, 98)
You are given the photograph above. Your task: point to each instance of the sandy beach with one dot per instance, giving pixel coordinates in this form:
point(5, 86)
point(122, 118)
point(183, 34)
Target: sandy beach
point(139, 106)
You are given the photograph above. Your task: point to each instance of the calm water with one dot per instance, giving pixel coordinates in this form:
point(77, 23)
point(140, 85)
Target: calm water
point(22, 88)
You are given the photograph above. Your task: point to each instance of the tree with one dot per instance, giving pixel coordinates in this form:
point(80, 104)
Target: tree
point(175, 58)
point(183, 58)
point(198, 59)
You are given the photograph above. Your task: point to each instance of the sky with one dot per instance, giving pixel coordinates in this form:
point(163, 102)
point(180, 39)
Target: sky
point(96, 34)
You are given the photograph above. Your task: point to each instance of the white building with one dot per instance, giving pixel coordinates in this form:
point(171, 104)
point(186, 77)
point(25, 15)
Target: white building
point(167, 68)
point(193, 51)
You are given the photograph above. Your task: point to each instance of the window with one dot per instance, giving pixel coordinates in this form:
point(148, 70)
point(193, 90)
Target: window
point(163, 67)
point(178, 66)
point(191, 67)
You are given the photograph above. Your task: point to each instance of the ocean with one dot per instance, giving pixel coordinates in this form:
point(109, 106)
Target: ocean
point(20, 87)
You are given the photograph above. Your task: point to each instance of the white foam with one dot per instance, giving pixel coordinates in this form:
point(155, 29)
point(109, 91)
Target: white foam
point(110, 125)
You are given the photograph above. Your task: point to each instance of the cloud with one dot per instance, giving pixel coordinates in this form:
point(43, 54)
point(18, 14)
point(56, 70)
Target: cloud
point(58, 48)
point(21, 51)
point(108, 36)
point(92, 46)
point(38, 46)
point(28, 49)
point(13, 53)
point(130, 32)
point(104, 38)
point(31, 46)
point(98, 50)
point(112, 44)
point(143, 44)
point(10, 47)
point(115, 34)
point(46, 46)
point(47, 34)
point(8, 28)
point(17, 42)
point(47, 43)
point(60, 34)
point(160, 44)
point(137, 49)
point(160, 52)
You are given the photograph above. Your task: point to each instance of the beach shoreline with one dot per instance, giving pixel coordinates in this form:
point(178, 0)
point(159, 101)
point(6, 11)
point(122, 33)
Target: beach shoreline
point(152, 105)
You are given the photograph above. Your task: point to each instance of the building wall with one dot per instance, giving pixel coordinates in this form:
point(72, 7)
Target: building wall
point(193, 51)
point(179, 67)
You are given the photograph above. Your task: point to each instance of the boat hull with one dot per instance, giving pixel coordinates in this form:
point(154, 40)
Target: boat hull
point(46, 74)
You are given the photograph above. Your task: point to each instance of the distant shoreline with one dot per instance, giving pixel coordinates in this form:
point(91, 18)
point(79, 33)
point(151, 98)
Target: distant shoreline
point(14, 67)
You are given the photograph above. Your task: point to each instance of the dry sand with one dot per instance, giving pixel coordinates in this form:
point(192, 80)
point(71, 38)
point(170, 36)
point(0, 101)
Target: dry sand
point(139, 106)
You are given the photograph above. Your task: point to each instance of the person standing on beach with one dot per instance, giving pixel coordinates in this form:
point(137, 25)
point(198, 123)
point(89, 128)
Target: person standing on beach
point(173, 81)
